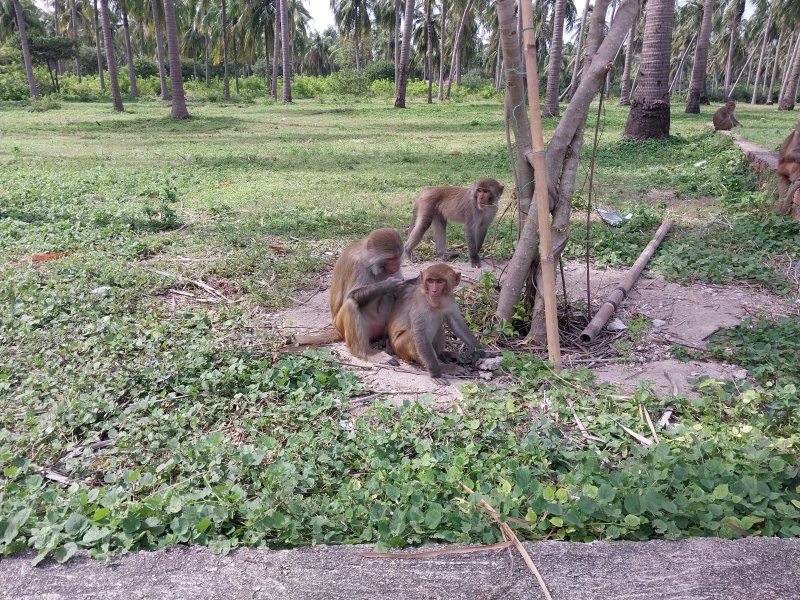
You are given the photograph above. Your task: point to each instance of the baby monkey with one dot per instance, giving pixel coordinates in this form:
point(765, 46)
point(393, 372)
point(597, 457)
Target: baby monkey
point(474, 206)
point(416, 324)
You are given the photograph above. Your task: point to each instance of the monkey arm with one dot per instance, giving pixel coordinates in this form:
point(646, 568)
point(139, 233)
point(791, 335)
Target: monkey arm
point(426, 354)
point(366, 294)
point(456, 322)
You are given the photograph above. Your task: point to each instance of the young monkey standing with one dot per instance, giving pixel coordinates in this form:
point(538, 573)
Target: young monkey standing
point(415, 326)
point(475, 206)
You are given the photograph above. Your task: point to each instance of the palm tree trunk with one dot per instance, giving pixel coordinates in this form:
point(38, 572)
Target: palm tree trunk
point(208, 58)
point(162, 69)
point(116, 95)
point(554, 62)
point(579, 51)
point(608, 75)
point(455, 61)
point(398, 43)
point(129, 50)
point(273, 86)
point(789, 94)
point(649, 117)
point(754, 99)
point(400, 95)
point(74, 9)
point(266, 56)
point(428, 41)
point(498, 67)
point(33, 88)
point(625, 86)
point(56, 28)
point(442, 37)
point(175, 73)
point(286, 52)
point(787, 64)
point(700, 65)
point(729, 62)
point(678, 79)
point(357, 38)
point(97, 47)
point(227, 92)
point(235, 67)
point(774, 68)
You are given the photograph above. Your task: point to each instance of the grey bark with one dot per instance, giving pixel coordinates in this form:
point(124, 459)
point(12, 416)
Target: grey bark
point(442, 38)
point(129, 50)
point(400, 96)
point(771, 86)
point(550, 108)
point(97, 48)
point(162, 70)
point(116, 95)
point(225, 67)
point(286, 52)
point(33, 87)
point(700, 65)
point(175, 74)
point(579, 50)
point(74, 29)
point(455, 61)
point(625, 85)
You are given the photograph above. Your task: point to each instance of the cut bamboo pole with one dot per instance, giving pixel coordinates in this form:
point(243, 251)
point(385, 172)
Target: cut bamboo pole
point(621, 291)
point(542, 200)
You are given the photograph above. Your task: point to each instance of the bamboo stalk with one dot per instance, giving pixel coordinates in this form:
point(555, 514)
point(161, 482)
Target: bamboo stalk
point(542, 200)
point(621, 291)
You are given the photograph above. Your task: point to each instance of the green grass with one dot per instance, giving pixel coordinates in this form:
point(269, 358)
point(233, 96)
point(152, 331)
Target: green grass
point(218, 442)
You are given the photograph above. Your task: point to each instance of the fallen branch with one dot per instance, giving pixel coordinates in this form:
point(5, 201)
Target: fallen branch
point(509, 534)
point(435, 553)
point(650, 423)
point(638, 437)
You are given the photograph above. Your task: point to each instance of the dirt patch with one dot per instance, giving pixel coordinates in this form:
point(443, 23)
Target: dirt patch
point(684, 316)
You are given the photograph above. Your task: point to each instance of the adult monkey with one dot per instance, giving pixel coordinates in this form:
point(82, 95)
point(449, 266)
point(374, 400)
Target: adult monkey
point(474, 206)
point(365, 282)
point(415, 326)
point(724, 118)
point(789, 171)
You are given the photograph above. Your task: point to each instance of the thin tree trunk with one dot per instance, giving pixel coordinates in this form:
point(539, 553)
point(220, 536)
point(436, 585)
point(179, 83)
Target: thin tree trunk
point(428, 42)
point(554, 61)
point(129, 50)
point(790, 93)
point(774, 68)
point(729, 62)
point(175, 73)
point(276, 46)
point(649, 117)
point(33, 87)
point(442, 37)
point(227, 84)
point(611, 70)
point(97, 47)
point(787, 64)
point(400, 96)
point(235, 67)
point(162, 69)
point(208, 58)
point(398, 42)
point(579, 50)
point(116, 95)
point(498, 67)
point(700, 65)
point(625, 85)
point(266, 56)
point(74, 9)
point(455, 62)
point(677, 79)
point(56, 31)
point(286, 53)
point(357, 38)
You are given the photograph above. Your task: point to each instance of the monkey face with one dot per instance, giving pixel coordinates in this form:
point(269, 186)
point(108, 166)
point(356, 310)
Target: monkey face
point(392, 264)
point(484, 197)
point(435, 287)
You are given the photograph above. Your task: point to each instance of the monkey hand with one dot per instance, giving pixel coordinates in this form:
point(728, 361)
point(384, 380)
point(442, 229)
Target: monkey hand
point(475, 262)
point(440, 380)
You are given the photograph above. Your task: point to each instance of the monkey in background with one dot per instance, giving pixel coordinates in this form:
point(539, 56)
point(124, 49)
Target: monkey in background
point(415, 326)
point(725, 119)
point(789, 170)
point(475, 206)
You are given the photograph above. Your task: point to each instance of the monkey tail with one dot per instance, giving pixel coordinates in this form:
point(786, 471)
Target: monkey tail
point(413, 218)
point(297, 343)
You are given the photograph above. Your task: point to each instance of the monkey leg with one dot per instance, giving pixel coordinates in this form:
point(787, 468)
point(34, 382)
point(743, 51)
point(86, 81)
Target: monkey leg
point(352, 326)
point(786, 196)
point(440, 234)
point(403, 345)
point(423, 222)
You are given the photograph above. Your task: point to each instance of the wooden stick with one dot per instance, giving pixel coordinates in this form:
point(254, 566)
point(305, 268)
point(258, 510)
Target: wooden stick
point(650, 423)
point(546, 260)
point(435, 553)
point(510, 535)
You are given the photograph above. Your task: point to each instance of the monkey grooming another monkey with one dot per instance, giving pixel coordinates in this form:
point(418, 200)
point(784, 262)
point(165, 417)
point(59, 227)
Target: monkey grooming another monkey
point(789, 170)
point(415, 325)
point(364, 286)
point(725, 119)
point(475, 206)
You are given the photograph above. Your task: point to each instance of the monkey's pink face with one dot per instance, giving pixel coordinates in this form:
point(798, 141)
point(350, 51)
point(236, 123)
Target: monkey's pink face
point(392, 264)
point(435, 287)
point(483, 197)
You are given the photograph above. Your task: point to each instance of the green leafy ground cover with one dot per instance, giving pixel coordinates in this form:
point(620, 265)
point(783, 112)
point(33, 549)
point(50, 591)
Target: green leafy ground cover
point(215, 443)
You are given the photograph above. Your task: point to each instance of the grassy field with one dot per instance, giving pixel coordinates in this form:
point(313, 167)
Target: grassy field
point(214, 440)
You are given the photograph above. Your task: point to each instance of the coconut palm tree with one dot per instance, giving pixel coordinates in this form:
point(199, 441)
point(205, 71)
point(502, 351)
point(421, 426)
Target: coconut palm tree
point(33, 88)
point(162, 71)
point(286, 52)
point(352, 17)
point(554, 65)
point(455, 60)
point(116, 95)
point(733, 17)
point(175, 74)
point(123, 6)
point(625, 83)
point(402, 79)
point(649, 116)
point(697, 85)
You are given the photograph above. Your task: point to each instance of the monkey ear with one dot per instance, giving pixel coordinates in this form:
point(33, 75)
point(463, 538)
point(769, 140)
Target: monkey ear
point(457, 278)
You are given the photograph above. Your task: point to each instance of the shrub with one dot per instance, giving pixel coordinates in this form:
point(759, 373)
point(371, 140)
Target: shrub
point(382, 87)
point(381, 69)
point(145, 67)
point(13, 86)
point(349, 82)
point(304, 86)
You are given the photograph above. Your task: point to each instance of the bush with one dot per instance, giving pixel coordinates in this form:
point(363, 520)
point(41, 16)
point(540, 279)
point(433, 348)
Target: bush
point(13, 86)
point(349, 82)
point(381, 69)
point(383, 87)
point(304, 86)
point(44, 105)
point(145, 67)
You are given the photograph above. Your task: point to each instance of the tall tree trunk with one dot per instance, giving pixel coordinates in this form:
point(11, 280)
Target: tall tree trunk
point(579, 50)
point(625, 85)
point(455, 61)
point(498, 67)
point(554, 62)
point(442, 38)
point(357, 38)
point(402, 82)
point(175, 72)
point(208, 58)
point(235, 67)
point(610, 71)
point(74, 28)
point(700, 60)
point(266, 56)
point(678, 79)
point(286, 52)
point(789, 94)
point(129, 49)
point(116, 95)
point(398, 43)
point(33, 88)
point(729, 62)
point(227, 84)
point(162, 69)
point(276, 46)
point(649, 117)
point(774, 68)
point(56, 32)
point(787, 63)
point(428, 49)
point(97, 47)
